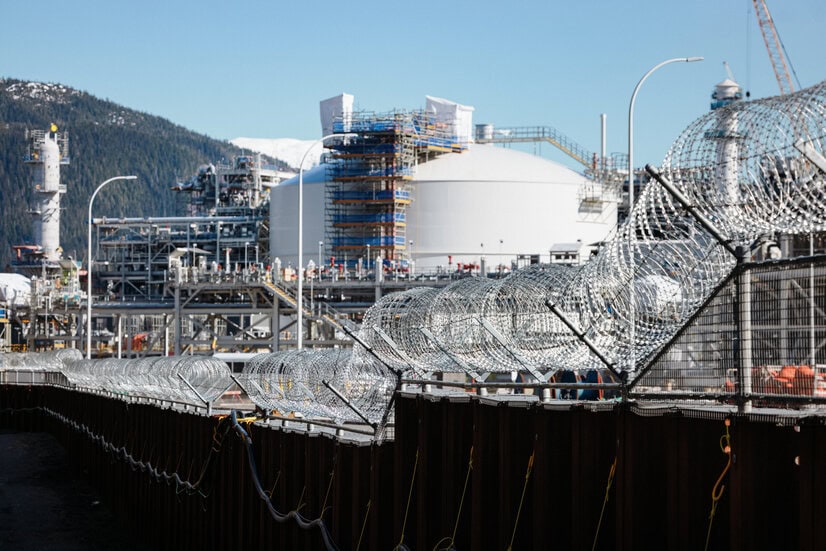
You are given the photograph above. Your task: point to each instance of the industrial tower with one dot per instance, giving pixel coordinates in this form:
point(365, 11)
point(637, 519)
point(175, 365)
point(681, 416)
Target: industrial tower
point(46, 151)
point(51, 318)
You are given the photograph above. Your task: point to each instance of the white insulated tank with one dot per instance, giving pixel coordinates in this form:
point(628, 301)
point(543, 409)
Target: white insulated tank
point(487, 202)
point(284, 218)
point(498, 203)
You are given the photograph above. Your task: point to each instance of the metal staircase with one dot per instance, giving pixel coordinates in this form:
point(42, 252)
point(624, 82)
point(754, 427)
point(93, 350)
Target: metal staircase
point(526, 134)
point(322, 311)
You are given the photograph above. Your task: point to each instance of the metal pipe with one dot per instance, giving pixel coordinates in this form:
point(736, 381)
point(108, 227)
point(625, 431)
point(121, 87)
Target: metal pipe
point(812, 346)
point(169, 220)
point(746, 360)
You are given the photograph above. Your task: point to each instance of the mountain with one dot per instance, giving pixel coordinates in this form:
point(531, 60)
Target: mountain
point(105, 140)
point(288, 150)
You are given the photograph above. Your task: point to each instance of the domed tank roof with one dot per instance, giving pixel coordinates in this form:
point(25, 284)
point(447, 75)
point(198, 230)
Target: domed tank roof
point(484, 162)
point(480, 162)
point(315, 175)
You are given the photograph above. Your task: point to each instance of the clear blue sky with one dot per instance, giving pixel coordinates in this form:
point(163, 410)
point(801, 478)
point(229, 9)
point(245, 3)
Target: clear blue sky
point(258, 69)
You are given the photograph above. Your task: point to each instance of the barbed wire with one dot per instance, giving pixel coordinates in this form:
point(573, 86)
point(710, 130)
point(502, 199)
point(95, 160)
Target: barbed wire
point(738, 166)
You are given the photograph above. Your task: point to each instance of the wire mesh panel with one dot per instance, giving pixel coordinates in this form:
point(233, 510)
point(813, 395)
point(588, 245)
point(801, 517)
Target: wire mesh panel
point(787, 326)
point(703, 357)
point(762, 334)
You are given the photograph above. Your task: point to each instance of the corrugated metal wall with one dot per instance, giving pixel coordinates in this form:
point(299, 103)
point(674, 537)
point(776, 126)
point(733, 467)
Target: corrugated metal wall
point(667, 464)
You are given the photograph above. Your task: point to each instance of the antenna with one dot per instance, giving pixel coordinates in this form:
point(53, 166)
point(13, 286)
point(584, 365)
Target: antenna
point(729, 73)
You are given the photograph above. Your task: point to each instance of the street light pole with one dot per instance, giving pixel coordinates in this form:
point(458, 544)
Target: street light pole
point(411, 264)
point(631, 123)
point(631, 230)
point(89, 266)
point(300, 293)
point(320, 244)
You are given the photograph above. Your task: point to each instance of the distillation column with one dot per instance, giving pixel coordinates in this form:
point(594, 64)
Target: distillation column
point(46, 152)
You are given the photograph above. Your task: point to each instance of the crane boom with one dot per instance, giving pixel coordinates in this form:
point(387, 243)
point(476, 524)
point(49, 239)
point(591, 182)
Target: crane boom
point(772, 41)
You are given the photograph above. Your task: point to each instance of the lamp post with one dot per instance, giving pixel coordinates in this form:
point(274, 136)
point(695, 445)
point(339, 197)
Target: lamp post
point(411, 268)
point(631, 123)
point(320, 244)
point(300, 293)
point(631, 230)
point(89, 267)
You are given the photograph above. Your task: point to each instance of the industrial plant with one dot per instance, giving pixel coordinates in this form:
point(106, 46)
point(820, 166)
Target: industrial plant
point(433, 341)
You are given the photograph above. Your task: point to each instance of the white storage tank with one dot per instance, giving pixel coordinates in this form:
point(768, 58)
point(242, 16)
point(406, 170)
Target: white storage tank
point(488, 201)
point(284, 218)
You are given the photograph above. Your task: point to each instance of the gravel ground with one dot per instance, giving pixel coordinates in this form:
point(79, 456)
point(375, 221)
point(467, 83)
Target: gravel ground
point(46, 503)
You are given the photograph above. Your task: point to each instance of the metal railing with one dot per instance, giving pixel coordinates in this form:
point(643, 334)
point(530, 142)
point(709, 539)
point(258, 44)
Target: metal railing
point(548, 134)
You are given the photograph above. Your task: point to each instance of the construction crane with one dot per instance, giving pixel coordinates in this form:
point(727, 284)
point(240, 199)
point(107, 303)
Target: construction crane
point(774, 47)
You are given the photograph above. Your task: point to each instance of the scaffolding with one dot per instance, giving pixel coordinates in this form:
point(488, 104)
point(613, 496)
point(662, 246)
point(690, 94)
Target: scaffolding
point(368, 186)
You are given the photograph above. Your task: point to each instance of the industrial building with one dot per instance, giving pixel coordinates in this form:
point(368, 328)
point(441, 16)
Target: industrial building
point(399, 188)
point(402, 200)
point(667, 392)
point(683, 345)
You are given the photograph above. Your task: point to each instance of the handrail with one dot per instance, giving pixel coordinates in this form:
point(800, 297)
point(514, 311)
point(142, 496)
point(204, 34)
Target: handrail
point(543, 133)
point(331, 316)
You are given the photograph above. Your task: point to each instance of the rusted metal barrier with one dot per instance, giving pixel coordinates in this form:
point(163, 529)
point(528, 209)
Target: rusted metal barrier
point(536, 476)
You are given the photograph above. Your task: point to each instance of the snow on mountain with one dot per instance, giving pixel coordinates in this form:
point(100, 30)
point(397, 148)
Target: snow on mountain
point(288, 150)
point(38, 90)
